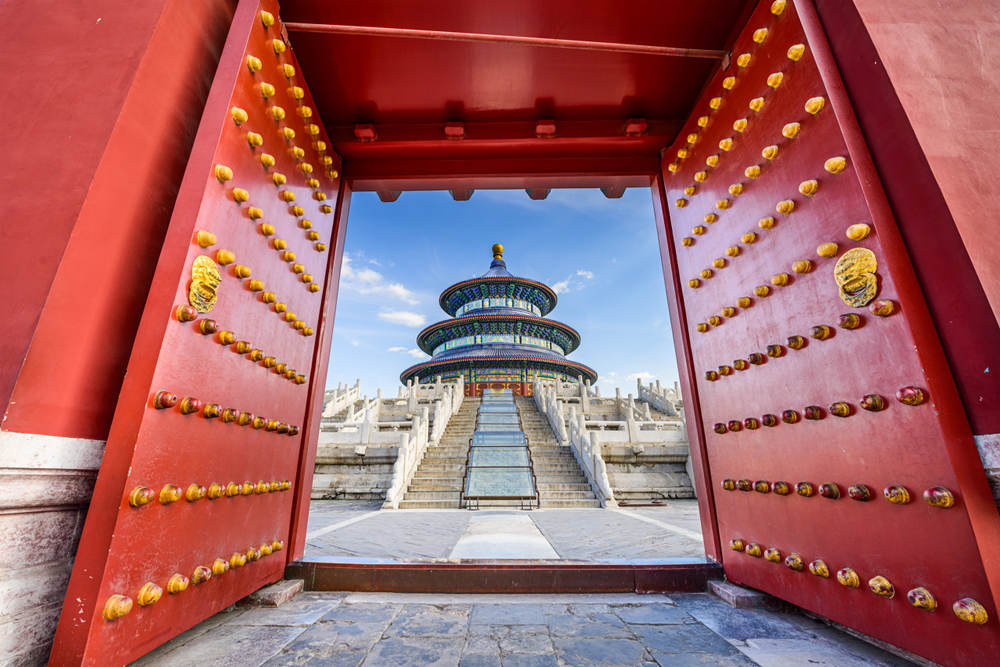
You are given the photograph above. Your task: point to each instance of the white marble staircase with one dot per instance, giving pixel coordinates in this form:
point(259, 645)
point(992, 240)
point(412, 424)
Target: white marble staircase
point(437, 483)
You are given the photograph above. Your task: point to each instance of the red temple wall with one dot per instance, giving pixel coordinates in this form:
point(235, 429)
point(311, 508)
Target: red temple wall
point(112, 94)
point(104, 99)
point(939, 58)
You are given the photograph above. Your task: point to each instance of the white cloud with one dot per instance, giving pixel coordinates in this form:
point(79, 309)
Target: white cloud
point(355, 343)
point(645, 376)
point(413, 352)
point(573, 282)
point(560, 287)
point(404, 317)
point(366, 280)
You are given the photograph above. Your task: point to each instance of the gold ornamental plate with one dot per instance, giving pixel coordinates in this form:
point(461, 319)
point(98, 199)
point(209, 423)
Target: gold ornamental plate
point(856, 277)
point(203, 293)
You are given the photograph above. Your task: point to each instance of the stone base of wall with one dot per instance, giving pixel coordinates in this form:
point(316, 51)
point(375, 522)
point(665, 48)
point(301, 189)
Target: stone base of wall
point(45, 487)
point(989, 452)
point(648, 472)
point(343, 473)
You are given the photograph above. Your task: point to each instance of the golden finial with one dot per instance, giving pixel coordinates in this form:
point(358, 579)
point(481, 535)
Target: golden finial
point(497, 251)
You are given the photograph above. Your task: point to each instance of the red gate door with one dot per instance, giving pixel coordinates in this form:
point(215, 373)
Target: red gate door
point(841, 467)
point(195, 496)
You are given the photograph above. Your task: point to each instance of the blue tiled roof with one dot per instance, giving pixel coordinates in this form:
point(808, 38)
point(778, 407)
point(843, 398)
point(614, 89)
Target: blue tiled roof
point(499, 283)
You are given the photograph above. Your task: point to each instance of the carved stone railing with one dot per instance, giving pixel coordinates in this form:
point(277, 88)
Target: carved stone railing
point(336, 400)
point(413, 445)
point(660, 398)
point(586, 446)
point(411, 450)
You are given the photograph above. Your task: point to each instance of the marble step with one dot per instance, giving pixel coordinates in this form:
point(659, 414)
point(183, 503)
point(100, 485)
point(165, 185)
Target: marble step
point(428, 504)
point(437, 481)
point(569, 503)
point(563, 486)
point(421, 494)
point(566, 495)
point(424, 486)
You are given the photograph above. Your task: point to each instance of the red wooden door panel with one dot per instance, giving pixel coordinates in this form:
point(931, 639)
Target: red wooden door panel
point(769, 189)
point(194, 500)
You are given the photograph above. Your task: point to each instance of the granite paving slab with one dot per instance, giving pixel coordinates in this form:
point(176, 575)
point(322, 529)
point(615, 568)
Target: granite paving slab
point(415, 652)
point(582, 652)
point(502, 614)
point(599, 533)
point(394, 534)
point(424, 621)
point(306, 609)
point(228, 645)
point(742, 624)
point(399, 630)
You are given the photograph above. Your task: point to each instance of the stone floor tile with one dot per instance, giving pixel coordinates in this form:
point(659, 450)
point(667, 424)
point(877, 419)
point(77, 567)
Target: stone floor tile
point(599, 652)
point(815, 652)
point(530, 660)
point(556, 609)
point(481, 645)
point(211, 622)
point(415, 652)
point(652, 614)
point(494, 631)
point(480, 660)
point(323, 644)
point(358, 636)
point(501, 614)
point(338, 659)
point(300, 611)
point(699, 659)
point(683, 638)
point(363, 612)
point(743, 623)
point(584, 609)
point(593, 625)
point(526, 642)
point(229, 645)
point(422, 621)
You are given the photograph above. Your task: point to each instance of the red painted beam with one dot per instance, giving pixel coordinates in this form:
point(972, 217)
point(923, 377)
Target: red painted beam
point(550, 42)
point(501, 173)
point(590, 138)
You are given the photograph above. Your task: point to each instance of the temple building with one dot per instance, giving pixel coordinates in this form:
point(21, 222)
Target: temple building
point(498, 336)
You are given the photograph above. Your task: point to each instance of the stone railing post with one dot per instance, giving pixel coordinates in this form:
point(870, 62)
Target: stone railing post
point(633, 428)
point(366, 427)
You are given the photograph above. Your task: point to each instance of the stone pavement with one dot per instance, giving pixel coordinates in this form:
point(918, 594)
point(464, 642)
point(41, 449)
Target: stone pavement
point(360, 529)
point(400, 630)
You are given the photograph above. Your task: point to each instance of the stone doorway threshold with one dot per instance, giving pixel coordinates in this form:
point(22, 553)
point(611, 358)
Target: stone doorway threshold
point(440, 575)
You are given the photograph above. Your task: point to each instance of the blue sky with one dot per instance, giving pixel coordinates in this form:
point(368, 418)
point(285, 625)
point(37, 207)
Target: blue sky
point(600, 255)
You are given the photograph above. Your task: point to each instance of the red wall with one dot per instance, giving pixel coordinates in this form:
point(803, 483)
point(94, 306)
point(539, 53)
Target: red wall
point(940, 58)
point(923, 102)
point(105, 98)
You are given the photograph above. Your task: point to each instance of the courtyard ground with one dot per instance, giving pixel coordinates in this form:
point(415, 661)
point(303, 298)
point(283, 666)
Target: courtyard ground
point(360, 529)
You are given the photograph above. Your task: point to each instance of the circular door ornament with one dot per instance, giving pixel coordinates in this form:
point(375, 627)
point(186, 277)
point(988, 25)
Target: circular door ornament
point(856, 277)
point(205, 278)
